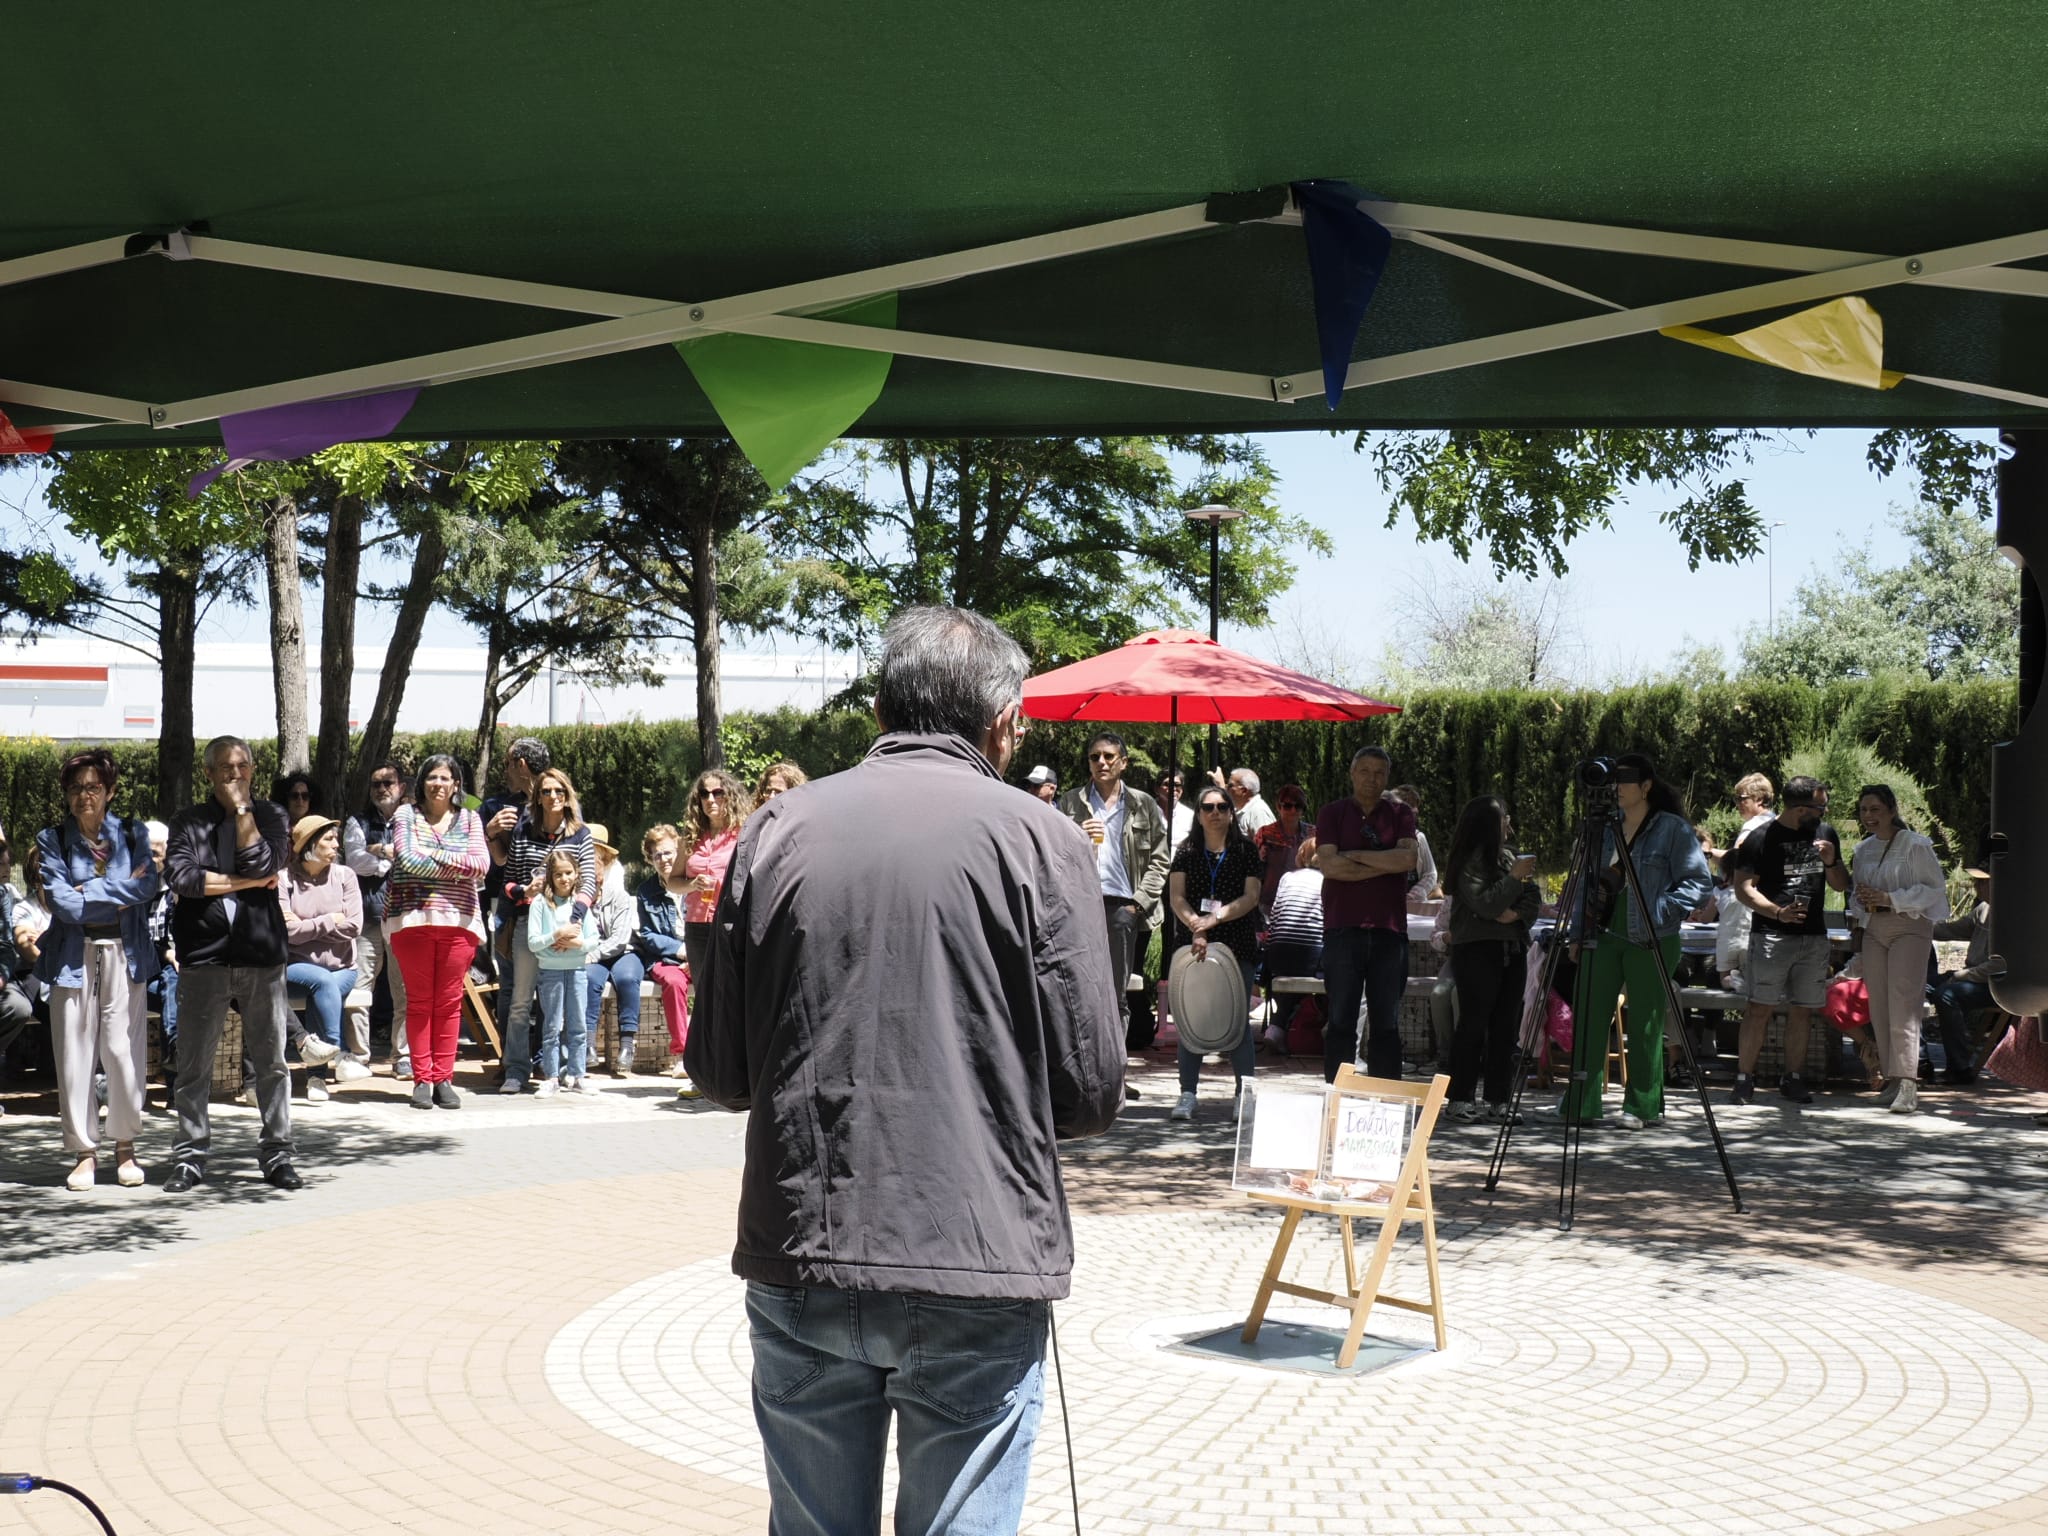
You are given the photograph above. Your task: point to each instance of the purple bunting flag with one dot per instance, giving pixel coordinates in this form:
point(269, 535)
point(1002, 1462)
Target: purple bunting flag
point(295, 431)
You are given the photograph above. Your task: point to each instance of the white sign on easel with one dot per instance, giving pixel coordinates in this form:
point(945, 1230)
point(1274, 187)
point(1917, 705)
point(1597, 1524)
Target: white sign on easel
point(1369, 1139)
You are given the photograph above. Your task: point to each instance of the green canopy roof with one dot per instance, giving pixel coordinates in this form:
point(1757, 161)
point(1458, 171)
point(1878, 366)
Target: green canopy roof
point(684, 154)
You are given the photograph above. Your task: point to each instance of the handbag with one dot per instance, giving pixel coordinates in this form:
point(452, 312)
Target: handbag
point(2021, 1058)
point(1848, 1004)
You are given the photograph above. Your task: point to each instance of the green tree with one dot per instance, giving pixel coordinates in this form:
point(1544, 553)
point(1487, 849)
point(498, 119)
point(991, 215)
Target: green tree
point(681, 541)
point(181, 555)
point(1072, 544)
point(1478, 635)
point(1526, 493)
point(1950, 612)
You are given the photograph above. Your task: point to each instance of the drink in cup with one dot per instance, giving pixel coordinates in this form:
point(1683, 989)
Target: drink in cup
point(1095, 832)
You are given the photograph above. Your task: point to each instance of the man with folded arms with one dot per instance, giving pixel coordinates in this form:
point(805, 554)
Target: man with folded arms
point(225, 857)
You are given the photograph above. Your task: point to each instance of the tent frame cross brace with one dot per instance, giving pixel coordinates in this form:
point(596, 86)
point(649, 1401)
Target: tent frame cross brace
point(785, 312)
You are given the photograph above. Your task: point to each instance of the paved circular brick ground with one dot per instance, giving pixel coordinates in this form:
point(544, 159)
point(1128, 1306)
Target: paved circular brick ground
point(1589, 1386)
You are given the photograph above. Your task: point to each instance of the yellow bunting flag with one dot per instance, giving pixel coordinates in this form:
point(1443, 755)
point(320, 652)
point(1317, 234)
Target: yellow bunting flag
point(1842, 339)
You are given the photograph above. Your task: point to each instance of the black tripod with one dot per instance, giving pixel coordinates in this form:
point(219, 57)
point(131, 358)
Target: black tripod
point(1600, 814)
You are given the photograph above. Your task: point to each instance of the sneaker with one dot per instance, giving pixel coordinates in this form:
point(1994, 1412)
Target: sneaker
point(1502, 1114)
point(349, 1070)
point(546, 1088)
point(689, 1090)
point(1889, 1093)
point(315, 1052)
point(1744, 1091)
point(247, 1095)
point(1276, 1039)
point(1464, 1111)
point(402, 1069)
point(622, 1059)
point(1793, 1087)
point(445, 1096)
point(1629, 1122)
point(572, 1085)
point(677, 1069)
point(511, 1087)
point(316, 1089)
point(1908, 1098)
point(1184, 1109)
point(422, 1095)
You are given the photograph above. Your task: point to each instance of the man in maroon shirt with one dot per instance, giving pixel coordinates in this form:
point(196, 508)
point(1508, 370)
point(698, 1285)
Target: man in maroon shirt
point(1365, 847)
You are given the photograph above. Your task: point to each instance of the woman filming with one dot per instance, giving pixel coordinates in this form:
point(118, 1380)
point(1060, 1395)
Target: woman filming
point(1616, 939)
point(1213, 890)
point(1493, 900)
point(1900, 894)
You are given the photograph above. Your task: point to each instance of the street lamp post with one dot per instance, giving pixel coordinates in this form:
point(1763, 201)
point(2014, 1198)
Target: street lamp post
point(1215, 517)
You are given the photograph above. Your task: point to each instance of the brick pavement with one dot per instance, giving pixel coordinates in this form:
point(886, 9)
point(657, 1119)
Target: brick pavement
point(521, 1316)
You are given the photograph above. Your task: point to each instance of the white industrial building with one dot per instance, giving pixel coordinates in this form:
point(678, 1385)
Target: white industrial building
point(83, 689)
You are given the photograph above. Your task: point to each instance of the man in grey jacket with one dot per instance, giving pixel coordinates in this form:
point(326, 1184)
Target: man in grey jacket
point(909, 985)
point(1128, 833)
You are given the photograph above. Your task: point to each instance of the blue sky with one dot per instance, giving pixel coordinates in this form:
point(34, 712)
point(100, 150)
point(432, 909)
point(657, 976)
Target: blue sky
point(1633, 600)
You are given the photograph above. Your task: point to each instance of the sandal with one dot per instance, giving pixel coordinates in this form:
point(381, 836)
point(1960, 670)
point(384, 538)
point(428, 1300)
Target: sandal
point(127, 1172)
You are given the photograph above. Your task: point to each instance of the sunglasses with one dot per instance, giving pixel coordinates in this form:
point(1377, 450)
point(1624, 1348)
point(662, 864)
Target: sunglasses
point(1104, 757)
point(710, 794)
point(1292, 805)
point(383, 783)
point(1213, 805)
point(552, 793)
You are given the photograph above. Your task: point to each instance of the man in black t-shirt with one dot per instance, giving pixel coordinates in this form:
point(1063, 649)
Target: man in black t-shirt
point(1782, 872)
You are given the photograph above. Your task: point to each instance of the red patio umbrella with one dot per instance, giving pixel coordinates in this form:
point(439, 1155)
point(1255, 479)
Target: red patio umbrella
point(1179, 676)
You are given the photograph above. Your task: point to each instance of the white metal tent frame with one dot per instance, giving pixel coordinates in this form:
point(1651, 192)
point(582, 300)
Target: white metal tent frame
point(786, 312)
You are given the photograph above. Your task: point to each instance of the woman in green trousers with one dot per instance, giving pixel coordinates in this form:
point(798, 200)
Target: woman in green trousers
point(1616, 935)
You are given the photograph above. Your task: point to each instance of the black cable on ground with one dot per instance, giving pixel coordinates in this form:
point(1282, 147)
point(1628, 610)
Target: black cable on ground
point(1066, 1424)
point(28, 1482)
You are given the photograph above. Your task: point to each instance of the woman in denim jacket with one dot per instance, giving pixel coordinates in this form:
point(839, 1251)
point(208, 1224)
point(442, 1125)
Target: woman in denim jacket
point(1616, 937)
point(97, 959)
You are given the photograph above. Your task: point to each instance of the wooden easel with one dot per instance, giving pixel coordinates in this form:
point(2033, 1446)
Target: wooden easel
point(1410, 1201)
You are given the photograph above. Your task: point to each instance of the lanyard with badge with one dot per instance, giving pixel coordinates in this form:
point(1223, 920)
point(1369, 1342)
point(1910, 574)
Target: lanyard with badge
point(1211, 907)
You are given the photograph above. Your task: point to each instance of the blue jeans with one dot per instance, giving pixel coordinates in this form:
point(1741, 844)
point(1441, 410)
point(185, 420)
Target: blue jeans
point(625, 974)
point(324, 992)
point(564, 1042)
point(965, 1379)
point(162, 991)
point(1955, 1001)
point(1368, 966)
point(1244, 1057)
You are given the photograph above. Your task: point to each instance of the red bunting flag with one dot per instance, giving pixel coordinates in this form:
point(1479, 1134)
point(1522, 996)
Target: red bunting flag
point(14, 440)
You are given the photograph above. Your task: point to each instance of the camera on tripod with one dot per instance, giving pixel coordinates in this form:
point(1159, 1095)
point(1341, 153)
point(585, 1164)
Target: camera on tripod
point(1596, 773)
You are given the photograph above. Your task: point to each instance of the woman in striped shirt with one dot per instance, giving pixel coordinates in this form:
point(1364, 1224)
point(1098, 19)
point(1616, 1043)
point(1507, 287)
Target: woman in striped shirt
point(553, 820)
point(433, 922)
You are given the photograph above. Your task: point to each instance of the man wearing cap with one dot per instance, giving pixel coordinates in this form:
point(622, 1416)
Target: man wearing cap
point(616, 918)
point(1961, 995)
point(1044, 783)
point(226, 854)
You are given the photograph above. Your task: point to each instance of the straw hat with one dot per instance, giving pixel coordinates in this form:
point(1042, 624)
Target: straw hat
point(601, 836)
point(1977, 874)
point(307, 829)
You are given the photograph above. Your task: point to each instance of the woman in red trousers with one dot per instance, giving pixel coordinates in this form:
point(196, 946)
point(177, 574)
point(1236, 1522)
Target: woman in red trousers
point(433, 920)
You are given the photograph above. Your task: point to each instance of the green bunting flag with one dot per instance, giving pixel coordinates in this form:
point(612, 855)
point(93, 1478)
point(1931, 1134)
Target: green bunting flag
point(784, 401)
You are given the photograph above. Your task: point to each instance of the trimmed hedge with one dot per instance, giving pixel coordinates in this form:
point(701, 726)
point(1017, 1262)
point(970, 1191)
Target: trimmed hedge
point(1452, 746)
